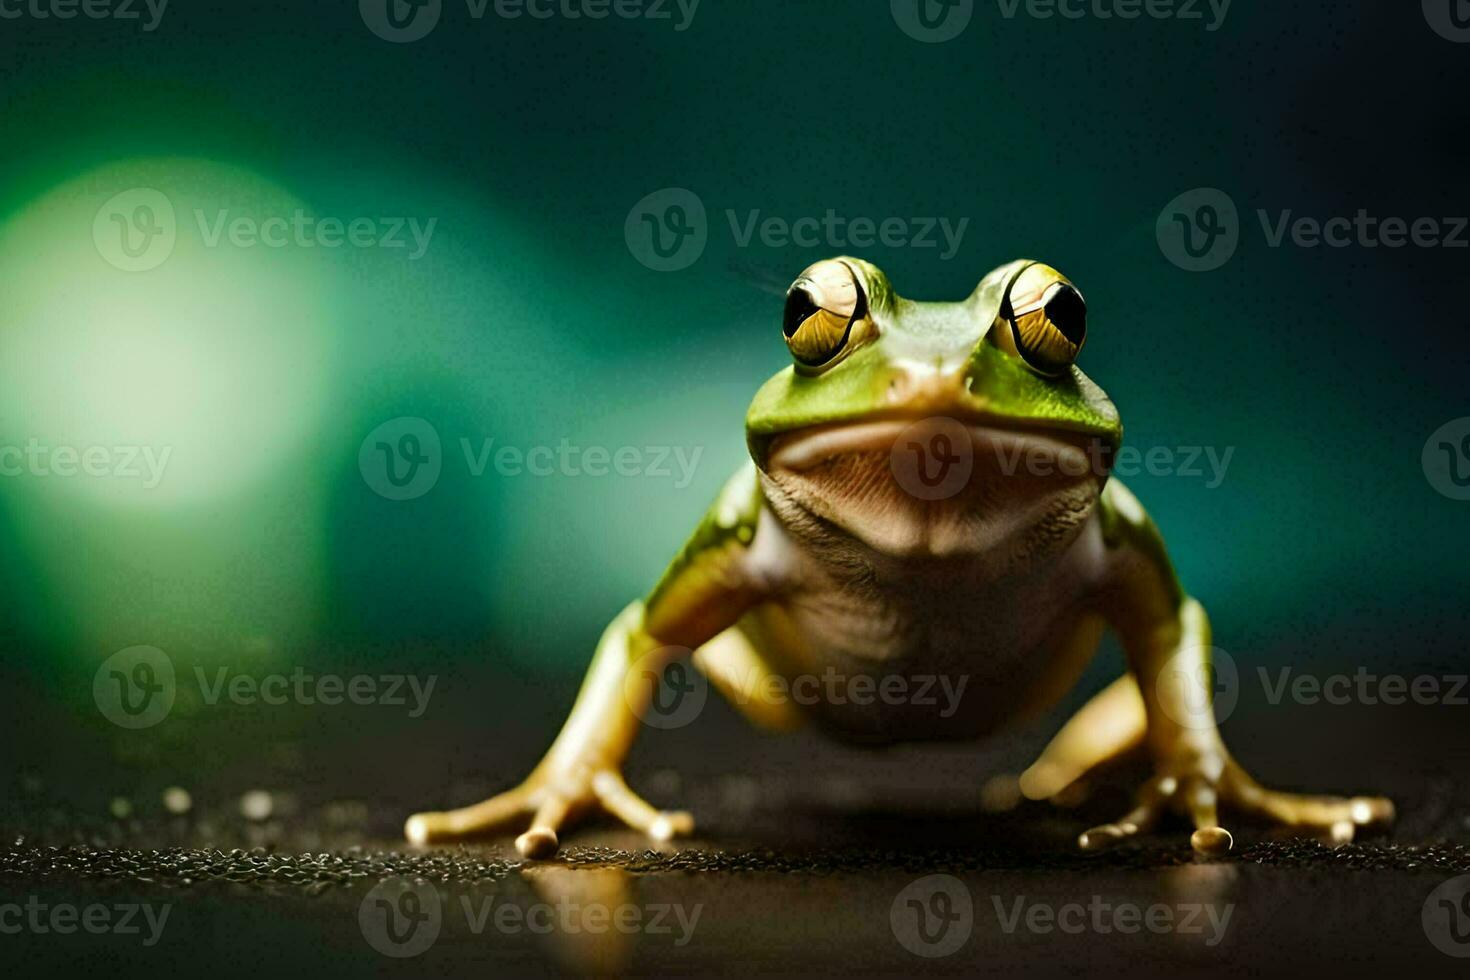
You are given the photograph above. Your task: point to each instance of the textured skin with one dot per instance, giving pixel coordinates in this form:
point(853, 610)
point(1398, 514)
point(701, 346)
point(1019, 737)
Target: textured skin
point(840, 560)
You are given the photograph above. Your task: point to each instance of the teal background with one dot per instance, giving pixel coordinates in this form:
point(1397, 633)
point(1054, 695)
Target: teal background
point(529, 321)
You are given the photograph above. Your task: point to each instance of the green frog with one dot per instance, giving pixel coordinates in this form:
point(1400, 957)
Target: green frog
point(928, 496)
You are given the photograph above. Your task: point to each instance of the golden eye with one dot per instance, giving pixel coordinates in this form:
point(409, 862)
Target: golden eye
point(1046, 319)
point(823, 308)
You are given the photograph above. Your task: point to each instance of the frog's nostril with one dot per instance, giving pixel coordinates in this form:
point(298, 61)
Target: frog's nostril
point(921, 385)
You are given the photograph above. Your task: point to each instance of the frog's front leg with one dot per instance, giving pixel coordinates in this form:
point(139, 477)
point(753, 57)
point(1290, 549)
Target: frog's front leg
point(705, 590)
point(1167, 638)
point(582, 769)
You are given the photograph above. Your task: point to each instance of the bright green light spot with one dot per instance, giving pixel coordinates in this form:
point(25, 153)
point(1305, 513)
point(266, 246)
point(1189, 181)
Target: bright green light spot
point(206, 364)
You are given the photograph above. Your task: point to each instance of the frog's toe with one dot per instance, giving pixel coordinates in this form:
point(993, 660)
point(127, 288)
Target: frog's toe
point(493, 814)
point(550, 806)
point(538, 842)
point(1338, 818)
point(1197, 795)
point(1152, 800)
point(1211, 841)
point(620, 801)
point(1201, 798)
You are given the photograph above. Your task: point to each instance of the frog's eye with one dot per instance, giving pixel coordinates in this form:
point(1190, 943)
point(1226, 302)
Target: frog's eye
point(823, 308)
point(1045, 319)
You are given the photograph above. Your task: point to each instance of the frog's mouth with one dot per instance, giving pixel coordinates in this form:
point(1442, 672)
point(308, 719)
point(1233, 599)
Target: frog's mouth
point(938, 485)
point(1012, 450)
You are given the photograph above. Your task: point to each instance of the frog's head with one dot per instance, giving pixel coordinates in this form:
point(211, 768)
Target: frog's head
point(933, 427)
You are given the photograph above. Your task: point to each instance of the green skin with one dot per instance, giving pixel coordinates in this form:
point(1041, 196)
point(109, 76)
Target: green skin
point(820, 562)
point(1002, 385)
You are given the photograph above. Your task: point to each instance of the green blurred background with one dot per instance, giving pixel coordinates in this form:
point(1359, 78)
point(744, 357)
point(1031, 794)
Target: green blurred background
point(529, 321)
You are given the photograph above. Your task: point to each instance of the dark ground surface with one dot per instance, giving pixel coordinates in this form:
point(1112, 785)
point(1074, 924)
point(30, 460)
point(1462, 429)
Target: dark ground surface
point(803, 851)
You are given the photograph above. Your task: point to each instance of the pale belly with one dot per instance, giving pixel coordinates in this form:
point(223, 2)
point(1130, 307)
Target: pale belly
point(923, 650)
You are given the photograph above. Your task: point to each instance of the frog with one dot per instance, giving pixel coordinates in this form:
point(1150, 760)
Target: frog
point(929, 493)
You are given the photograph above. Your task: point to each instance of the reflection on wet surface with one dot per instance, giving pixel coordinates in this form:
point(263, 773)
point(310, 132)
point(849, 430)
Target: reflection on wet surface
point(808, 861)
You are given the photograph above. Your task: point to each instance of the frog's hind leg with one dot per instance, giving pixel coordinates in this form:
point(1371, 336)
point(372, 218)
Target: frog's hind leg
point(1112, 724)
point(736, 668)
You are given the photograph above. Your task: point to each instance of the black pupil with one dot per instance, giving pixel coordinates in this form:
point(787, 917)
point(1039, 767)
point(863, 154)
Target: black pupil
point(1068, 313)
point(799, 306)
